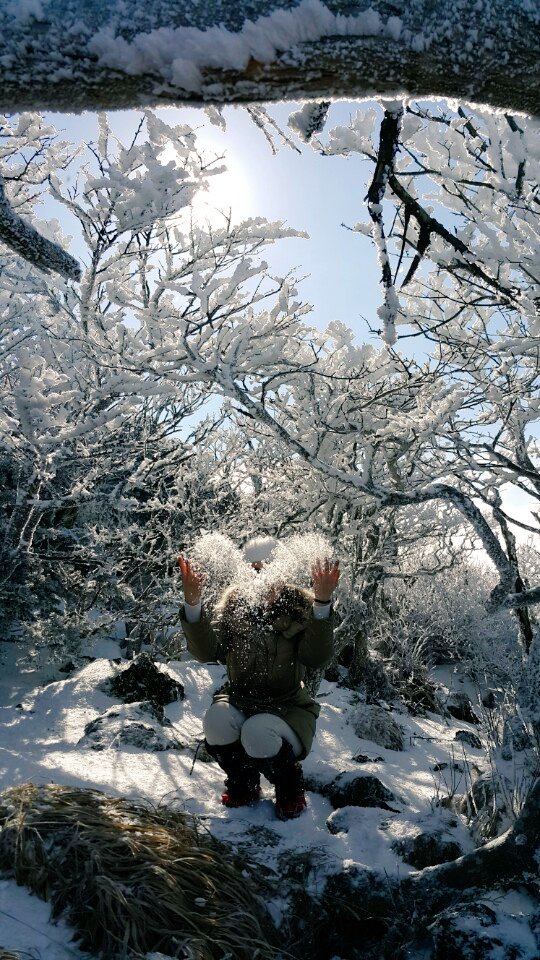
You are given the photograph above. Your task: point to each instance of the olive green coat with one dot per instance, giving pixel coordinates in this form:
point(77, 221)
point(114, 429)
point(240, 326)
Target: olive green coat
point(266, 659)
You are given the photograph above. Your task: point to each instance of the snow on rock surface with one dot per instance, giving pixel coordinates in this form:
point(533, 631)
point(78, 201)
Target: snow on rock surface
point(374, 723)
point(134, 724)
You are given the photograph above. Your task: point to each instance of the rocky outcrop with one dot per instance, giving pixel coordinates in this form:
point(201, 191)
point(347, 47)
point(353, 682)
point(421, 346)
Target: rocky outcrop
point(459, 706)
point(475, 931)
point(469, 738)
point(350, 790)
point(427, 849)
point(374, 723)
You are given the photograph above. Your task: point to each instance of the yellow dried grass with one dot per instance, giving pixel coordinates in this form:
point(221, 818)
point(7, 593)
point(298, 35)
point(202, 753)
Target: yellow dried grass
point(132, 878)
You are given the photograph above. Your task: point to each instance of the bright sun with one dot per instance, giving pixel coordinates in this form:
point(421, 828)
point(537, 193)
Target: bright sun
point(227, 191)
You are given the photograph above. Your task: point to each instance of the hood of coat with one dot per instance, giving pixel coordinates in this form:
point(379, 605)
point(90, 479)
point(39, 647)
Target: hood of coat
point(292, 605)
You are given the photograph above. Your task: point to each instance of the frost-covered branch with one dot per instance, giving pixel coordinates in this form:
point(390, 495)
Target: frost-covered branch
point(386, 154)
point(24, 239)
point(429, 226)
point(75, 55)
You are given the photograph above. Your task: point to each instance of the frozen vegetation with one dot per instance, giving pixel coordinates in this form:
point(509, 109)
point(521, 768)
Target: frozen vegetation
point(177, 399)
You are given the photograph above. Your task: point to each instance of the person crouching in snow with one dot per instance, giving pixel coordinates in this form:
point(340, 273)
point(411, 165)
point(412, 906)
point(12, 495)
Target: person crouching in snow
point(263, 720)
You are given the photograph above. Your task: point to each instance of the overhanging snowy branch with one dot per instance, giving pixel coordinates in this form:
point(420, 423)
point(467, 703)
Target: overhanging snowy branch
point(78, 55)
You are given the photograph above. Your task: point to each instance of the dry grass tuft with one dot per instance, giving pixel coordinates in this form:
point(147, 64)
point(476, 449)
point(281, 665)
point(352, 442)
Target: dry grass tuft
point(131, 878)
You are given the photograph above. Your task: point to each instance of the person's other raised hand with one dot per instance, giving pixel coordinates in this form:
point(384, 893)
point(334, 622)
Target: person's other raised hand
point(324, 577)
point(192, 580)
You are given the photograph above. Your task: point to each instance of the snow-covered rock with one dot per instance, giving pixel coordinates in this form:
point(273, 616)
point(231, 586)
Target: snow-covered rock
point(364, 790)
point(469, 738)
point(136, 724)
point(459, 706)
point(374, 723)
point(481, 930)
point(427, 849)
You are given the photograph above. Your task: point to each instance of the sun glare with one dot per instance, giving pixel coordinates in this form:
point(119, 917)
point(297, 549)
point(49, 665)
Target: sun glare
point(227, 192)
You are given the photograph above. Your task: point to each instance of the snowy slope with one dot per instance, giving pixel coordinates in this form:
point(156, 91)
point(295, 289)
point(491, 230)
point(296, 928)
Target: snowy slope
point(42, 740)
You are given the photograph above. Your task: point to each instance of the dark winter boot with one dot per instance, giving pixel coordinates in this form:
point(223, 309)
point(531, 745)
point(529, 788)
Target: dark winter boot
point(285, 772)
point(242, 785)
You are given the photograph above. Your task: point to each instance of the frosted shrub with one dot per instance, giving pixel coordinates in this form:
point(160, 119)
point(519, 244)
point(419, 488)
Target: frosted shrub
point(447, 612)
point(443, 618)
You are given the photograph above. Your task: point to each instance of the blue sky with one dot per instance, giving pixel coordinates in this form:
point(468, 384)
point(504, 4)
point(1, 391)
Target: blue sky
point(309, 192)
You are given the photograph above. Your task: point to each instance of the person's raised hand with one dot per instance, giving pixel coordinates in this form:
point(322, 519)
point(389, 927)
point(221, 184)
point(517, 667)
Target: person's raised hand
point(324, 577)
point(192, 580)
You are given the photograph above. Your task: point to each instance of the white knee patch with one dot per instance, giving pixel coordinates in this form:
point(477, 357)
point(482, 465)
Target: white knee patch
point(262, 736)
point(222, 723)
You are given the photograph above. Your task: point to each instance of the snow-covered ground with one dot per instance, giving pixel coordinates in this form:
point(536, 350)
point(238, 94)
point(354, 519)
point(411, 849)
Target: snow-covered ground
point(43, 716)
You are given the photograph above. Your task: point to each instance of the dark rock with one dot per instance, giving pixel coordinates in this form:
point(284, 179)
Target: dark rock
point(489, 700)
point(332, 673)
point(71, 665)
point(67, 667)
point(427, 849)
point(346, 656)
point(437, 767)
point(339, 821)
point(460, 707)
point(372, 722)
point(363, 758)
point(362, 791)
point(471, 739)
point(144, 681)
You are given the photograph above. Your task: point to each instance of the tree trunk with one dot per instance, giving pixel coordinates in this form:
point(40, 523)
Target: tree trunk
point(78, 55)
point(523, 618)
point(359, 670)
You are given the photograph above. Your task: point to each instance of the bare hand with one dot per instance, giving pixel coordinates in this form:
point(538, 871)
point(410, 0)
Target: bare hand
point(324, 578)
point(192, 581)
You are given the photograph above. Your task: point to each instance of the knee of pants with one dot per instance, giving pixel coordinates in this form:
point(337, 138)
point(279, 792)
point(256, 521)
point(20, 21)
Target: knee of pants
point(222, 724)
point(263, 734)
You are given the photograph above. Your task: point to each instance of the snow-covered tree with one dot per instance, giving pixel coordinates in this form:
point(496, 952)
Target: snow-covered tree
point(107, 453)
